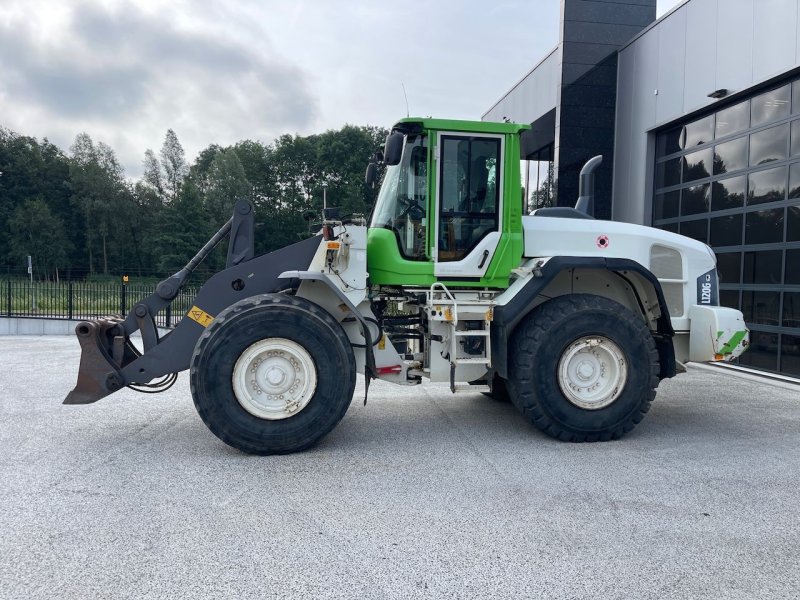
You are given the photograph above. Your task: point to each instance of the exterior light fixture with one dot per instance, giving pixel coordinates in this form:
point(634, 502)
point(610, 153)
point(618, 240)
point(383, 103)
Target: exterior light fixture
point(720, 93)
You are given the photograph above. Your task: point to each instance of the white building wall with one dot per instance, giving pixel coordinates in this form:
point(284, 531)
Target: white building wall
point(669, 70)
point(533, 96)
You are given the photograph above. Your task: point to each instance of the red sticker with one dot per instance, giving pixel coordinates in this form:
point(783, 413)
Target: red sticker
point(602, 241)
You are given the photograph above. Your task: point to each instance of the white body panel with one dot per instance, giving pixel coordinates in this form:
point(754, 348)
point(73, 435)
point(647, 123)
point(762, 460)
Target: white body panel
point(711, 329)
point(346, 265)
point(343, 265)
point(718, 333)
point(547, 237)
point(472, 265)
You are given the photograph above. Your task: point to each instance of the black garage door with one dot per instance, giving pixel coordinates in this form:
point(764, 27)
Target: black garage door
point(732, 180)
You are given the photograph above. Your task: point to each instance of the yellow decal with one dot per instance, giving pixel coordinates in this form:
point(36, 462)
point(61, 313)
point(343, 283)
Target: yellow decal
point(199, 315)
point(333, 245)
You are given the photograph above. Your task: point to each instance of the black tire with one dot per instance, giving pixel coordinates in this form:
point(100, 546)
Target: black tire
point(260, 318)
point(549, 332)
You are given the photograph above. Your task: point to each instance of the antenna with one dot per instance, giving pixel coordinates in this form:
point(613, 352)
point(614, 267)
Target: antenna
point(408, 113)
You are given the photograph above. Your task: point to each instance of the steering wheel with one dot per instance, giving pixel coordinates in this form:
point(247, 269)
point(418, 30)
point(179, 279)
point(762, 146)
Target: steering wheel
point(412, 208)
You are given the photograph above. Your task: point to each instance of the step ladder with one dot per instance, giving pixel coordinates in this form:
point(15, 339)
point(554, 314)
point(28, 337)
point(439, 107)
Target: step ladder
point(439, 295)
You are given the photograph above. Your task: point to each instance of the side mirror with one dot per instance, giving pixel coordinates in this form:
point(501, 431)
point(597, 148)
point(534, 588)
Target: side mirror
point(372, 174)
point(393, 150)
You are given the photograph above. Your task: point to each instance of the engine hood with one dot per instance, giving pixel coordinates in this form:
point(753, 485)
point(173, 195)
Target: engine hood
point(550, 236)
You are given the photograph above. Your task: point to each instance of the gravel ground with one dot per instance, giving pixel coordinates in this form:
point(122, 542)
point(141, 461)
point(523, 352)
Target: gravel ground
point(418, 494)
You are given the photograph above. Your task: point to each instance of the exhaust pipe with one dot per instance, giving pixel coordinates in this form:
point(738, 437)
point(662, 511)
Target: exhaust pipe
point(585, 202)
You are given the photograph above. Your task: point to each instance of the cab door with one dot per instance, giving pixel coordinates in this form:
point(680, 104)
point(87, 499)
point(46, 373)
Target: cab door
point(469, 203)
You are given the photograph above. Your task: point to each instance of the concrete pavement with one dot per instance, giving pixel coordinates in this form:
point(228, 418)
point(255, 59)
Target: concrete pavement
point(418, 494)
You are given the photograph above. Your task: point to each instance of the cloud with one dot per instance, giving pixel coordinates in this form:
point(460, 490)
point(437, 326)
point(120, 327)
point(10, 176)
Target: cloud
point(125, 71)
point(125, 75)
point(69, 88)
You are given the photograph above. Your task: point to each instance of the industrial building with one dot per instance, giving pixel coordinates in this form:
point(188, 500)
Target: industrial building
point(697, 115)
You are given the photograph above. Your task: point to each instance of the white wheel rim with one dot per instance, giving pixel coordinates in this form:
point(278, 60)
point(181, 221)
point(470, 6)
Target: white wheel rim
point(274, 379)
point(592, 372)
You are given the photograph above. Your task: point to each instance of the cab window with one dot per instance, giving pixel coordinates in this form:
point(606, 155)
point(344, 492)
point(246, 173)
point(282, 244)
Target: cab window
point(402, 204)
point(468, 193)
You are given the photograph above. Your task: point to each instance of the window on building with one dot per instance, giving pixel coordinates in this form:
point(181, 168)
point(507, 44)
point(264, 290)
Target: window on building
point(538, 180)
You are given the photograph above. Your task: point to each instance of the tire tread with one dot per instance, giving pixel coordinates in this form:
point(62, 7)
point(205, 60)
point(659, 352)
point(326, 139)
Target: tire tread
point(239, 310)
point(533, 332)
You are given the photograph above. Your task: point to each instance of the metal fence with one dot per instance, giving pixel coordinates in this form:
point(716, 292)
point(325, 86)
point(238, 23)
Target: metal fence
point(84, 300)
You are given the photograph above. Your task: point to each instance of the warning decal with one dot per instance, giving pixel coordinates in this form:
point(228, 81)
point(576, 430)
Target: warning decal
point(199, 315)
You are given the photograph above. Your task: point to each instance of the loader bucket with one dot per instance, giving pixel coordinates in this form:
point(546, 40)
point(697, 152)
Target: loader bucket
point(97, 376)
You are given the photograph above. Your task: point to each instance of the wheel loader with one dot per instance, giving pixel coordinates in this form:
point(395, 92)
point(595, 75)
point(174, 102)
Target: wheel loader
point(573, 319)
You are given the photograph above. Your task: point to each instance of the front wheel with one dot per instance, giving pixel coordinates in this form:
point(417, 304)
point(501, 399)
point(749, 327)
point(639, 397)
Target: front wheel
point(583, 368)
point(272, 374)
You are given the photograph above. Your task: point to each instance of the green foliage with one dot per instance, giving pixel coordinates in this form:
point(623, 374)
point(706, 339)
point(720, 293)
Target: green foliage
point(101, 196)
point(36, 232)
point(173, 162)
point(79, 213)
point(30, 170)
point(227, 183)
point(181, 231)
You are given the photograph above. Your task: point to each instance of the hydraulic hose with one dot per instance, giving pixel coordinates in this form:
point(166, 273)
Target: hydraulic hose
point(206, 250)
point(168, 289)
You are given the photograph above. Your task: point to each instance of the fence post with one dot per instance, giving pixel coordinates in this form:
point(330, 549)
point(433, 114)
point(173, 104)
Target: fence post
point(123, 297)
point(70, 300)
point(169, 315)
point(8, 297)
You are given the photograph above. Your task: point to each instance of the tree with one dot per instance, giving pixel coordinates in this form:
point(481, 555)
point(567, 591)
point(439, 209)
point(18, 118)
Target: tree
point(152, 177)
point(545, 195)
point(101, 195)
point(256, 159)
point(159, 221)
point(34, 231)
point(30, 169)
point(343, 156)
point(173, 163)
point(198, 172)
point(183, 227)
point(227, 183)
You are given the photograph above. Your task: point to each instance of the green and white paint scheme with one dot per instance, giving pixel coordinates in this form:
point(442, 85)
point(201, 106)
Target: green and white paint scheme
point(573, 319)
point(406, 250)
point(419, 178)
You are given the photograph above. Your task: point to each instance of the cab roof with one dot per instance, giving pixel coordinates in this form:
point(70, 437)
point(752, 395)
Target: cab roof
point(457, 125)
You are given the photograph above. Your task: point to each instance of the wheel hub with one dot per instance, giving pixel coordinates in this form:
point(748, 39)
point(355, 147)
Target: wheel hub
point(592, 372)
point(274, 378)
point(585, 370)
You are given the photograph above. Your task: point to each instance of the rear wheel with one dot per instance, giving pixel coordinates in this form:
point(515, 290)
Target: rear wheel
point(272, 374)
point(583, 368)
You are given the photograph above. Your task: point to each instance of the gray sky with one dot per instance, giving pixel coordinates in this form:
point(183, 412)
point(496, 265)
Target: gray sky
point(219, 72)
